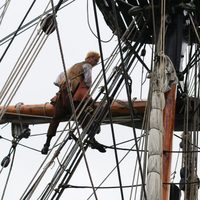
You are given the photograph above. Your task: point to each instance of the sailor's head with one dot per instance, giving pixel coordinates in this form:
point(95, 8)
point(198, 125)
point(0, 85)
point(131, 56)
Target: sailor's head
point(92, 57)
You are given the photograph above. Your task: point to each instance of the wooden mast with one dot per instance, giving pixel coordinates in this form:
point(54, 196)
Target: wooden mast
point(173, 49)
point(168, 123)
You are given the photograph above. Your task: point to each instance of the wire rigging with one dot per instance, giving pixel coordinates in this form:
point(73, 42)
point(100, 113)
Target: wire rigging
point(32, 23)
point(128, 95)
point(26, 59)
point(107, 97)
point(69, 162)
point(104, 115)
point(4, 7)
point(12, 151)
point(64, 162)
point(20, 25)
point(88, 22)
point(114, 168)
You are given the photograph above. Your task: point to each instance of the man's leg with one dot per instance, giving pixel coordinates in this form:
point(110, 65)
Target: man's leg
point(50, 133)
point(84, 119)
point(61, 109)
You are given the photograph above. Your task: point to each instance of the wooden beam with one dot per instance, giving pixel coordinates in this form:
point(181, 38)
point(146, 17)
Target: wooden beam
point(169, 120)
point(42, 113)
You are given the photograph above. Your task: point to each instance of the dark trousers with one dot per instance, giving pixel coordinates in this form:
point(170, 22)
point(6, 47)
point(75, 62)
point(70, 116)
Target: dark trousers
point(62, 109)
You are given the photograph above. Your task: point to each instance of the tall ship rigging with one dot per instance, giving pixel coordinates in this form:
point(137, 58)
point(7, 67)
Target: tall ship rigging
point(146, 96)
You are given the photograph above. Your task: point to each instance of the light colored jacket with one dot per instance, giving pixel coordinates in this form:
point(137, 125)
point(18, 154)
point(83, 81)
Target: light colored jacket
point(80, 77)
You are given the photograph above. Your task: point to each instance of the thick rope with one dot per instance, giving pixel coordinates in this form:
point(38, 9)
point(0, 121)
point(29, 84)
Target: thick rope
point(5, 7)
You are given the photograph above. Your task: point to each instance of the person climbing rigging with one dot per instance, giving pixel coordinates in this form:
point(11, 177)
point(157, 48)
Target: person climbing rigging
point(80, 81)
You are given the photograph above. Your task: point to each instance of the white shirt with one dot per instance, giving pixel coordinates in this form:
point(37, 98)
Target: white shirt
point(87, 69)
point(60, 79)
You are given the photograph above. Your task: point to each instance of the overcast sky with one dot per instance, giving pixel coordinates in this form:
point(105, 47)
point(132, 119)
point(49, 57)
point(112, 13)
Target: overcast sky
point(77, 40)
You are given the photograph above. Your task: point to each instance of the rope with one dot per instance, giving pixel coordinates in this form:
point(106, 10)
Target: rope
point(5, 7)
point(30, 24)
point(9, 173)
point(88, 22)
point(18, 82)
point(17, 30)
point(98, 110)
point(194, 27)
point(38, 180)
point(70, 98)
point(18, 106)
point(107, 97)
point(112, 170)
point(129, 96)
point(28, 147)
point(192, 137)
point(27, 58)
point(65, 162)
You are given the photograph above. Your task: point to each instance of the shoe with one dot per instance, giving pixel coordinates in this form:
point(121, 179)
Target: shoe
point(45, 149)
point(96, 145)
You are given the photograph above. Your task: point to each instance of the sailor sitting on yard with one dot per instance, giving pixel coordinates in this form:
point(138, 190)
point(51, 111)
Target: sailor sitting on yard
point(80, 76)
